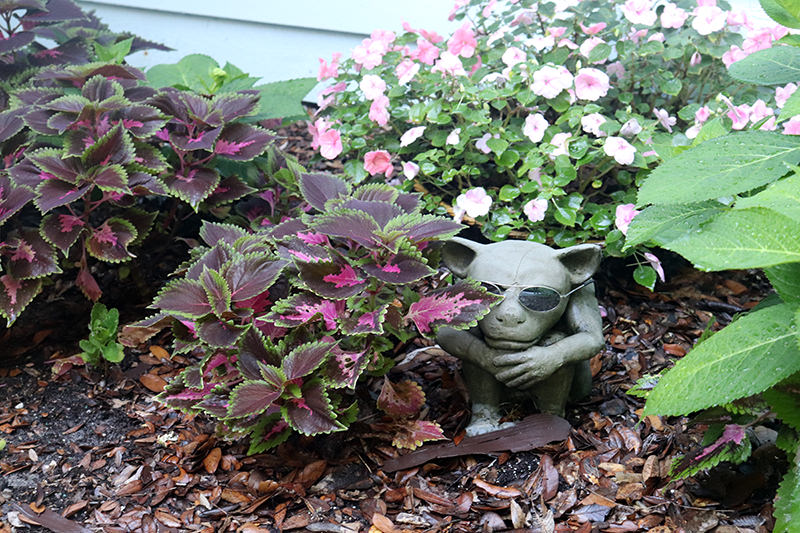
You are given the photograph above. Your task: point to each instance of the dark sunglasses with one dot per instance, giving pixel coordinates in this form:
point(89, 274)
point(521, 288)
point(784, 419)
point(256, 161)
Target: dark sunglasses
point(535, 298)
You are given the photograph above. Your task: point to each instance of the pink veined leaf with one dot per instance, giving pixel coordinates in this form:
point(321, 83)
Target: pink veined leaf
point(388, 267)
point(11, 286)
point(401, 400)
point(68, 222)
point(348, 367)
point(224, 147)
point(733, 433)
point(130, 123)
point(105, 234)
point(218, 359)
point(312, 238)
point(194, 140)
point(306, 311)
point(347, 277)
point(163, 134)
point(24, 252)
point(411, 434)
point(301, 403)
point(193, 394)
point(437, 307)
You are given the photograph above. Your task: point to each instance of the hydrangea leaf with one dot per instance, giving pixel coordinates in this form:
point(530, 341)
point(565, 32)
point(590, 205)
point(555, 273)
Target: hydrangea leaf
point(15, 295)
point(183, 297)
point(782, 196)
point(747, 357)
point(318, 188)
point(312, 414)
point(458, 306)
point(252, 398)
point(61, 230)
point(305, 359)
point(785, 279)
point(109, 242)
point(664, 223)
point(401, 400)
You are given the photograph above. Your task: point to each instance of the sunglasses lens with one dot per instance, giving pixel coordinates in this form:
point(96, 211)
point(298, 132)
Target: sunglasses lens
point(492, 288)
point(539, 298)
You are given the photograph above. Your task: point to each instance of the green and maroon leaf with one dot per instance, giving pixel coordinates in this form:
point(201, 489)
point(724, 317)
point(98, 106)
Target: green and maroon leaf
point(213, 258)
point(214, 232)
point(230, 189)
point(15, 295)
point(217, 290)
point(70, 104)
point(26, 174)
point(109, 242)
point(399, 269)
point(288, 228)
point(418, 227)
point(87, 284)
point(304, 359)
point(351, 224)
point(268, 432)
point(52, 164)
point(203, 140)
point(54, 193)
point(252, 398)
point(401, 400)
point(215, 403)
point(12, 197)
point(411, 434)
point(219, 333)
point(61, 122)
point(256, 350)
point(183, 297)
point(194, 186)
point(148, 159)
point(143, 184)
point(312, 414)
point(113, 148)
point(61, 230)
point(242, 142)
point(302, 308)
point(344, 368)
point(15, 42)
point(251, 275)
point(458, 306)
point(318, 188)
point(142, 120)
point(235, 105)
point(376, 192)
point(336, 280)
point(369, 322)
point(37, 121)
point(141, 220)
point(111, 178)
point(408, 202)
point(303, 252)
point(381, 212)
point(99, 88)
point(10, 123)
point(33, 256)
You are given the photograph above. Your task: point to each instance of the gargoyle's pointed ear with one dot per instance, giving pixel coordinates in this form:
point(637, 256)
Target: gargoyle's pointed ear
point(581, 261)
point(458, 254)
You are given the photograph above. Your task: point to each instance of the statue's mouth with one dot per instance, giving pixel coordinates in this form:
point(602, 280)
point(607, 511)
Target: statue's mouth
point(506, 344)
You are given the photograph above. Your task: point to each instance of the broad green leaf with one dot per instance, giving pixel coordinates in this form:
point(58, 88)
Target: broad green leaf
point(774, 66)
point(787, 502)
point(191, 72)
point(791, 107)
point(784, 402)
point(723, 166)
point(750, 355)
point(742, 238)
point(784, 12)
point(664, 223)
point(645, 276)
point(782, 196)
point(283, 99)
point(785, 279)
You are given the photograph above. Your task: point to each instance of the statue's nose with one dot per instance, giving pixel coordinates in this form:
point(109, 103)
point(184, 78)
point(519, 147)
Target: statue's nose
point(509, 313)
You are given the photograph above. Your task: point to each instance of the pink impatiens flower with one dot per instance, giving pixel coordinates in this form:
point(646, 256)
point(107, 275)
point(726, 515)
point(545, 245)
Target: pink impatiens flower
point(616, 69)
point(550, 80)
point(594, 28)
point(621, 150)
point(463, 42)
point(329, 71)
point(591, 124)
point(561, 142)
point(369, 54)
point(406, 70)
point(330, 144)
point(655, 262)
point(673, 16)
point(411, 135)
point(410, 170)
point(426, 52)
point(474, 203)
point(792, 126)
point(378, 162)
point(783, 93)
point(639, 12)
point(702, 114)
point(733, 55)
point(624, 214)
point(740, 115)
point(449, 64)
point(588, 45)
point(708, 19)
point(481, 144)
point(535, 209)
point(535, 126)
point(372, 86)
point(453, 137)
point(662, 115)
point(591, 84)
point(379, 110)
point(512, 56)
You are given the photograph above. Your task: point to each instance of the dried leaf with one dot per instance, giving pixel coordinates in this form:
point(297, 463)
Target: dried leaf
point(74, 508)
point(211, 461)
point(159, 352)
point(496, 491)
point(153, 382)
point(383, 524)
point(549, 478)
point(651, 468)
point(518, 516)
point(167, 519)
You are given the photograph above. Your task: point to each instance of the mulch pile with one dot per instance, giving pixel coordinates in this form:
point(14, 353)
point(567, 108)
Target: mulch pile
point(86, 451)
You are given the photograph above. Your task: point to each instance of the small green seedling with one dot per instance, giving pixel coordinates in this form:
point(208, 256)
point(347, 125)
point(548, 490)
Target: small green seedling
point(102, 342)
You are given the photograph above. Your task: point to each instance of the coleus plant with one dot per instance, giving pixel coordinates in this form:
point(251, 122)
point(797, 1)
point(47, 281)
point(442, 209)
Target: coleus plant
point(82, 156)
point(288, 317)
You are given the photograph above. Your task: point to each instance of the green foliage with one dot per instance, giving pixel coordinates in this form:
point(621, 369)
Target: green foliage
point(787, 502)
point(774, 66)
point(102, 345)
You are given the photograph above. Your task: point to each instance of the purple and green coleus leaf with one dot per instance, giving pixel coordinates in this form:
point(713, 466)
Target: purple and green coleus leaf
point(142, 221)
point(376, 192)
point(15, 295)
point(418, 228)
point(229, 189)
point(16, 42)
point(242, 142)
point(398, 269)
point(366, 322)
point(348, 223)
point(255, 351)
point(147, 159)
point(235, 105)
point(345, 367)
point(411, 434)
point(62, 230)
point(303, 251)
point(219, 333)
point(192, 184)
point(52, 193)
point(195, 140)
point(11, 123)
point(87, 284)
point(306, 358)
point(458, 306)
point(214, 232)
point(217, 290)
point(332, 279)
point(302, 308)
point(32, 256)
point(401, 400)
point(12, 197)
point(251, 275)
point(113, 148)
point(213, 258)
point(184, 298)
point(269, 431)
point(312, 412)
point(109, 242)
point(254, 397)
point(318, 188)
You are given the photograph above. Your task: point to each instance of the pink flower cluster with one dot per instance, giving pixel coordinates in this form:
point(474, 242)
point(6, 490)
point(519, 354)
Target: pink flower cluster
point(756, 40)
point(327, 139)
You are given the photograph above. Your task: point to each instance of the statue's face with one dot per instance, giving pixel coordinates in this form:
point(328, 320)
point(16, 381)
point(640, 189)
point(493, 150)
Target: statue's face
point(513, 266)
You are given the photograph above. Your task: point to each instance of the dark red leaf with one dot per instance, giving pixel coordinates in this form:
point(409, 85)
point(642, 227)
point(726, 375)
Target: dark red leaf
point(319, 188)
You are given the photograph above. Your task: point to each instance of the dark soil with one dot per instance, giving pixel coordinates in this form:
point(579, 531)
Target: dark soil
point(90, 451)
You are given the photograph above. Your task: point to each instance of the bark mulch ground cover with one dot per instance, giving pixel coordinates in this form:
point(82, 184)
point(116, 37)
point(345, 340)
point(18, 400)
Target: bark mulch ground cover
point(91, 451)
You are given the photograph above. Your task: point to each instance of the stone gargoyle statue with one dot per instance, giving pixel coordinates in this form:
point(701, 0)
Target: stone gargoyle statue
point(538, 340)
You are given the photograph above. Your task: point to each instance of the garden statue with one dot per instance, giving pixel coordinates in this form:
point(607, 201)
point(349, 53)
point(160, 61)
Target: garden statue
point(538, 340)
